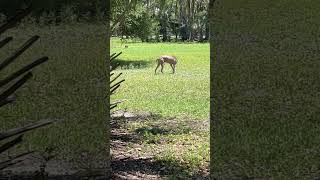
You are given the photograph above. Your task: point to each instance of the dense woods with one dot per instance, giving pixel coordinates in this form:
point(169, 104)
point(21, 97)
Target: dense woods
point(161, 20)
point(148, 20)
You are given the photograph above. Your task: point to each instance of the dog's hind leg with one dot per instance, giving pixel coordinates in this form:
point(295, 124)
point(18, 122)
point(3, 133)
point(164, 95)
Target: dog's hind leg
point(158, 64)
point(155, 71)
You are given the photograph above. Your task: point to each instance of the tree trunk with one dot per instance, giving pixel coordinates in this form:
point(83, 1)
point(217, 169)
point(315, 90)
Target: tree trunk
point(164, 30)
point(207, 31)
point(201, 34)
point(164, 35)
point(190, 32)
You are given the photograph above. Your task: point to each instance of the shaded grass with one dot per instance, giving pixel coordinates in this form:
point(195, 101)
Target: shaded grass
point(126, 64)
point(266, 89)
point(179, 147)
point(61, 90)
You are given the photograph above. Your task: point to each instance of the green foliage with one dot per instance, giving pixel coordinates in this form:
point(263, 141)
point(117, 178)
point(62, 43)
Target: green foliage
point(140, 24)
point(144, 19)
point(81, 9)
point(178, 18)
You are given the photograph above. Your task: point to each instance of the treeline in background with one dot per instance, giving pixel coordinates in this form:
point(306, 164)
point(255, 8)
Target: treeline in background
point(148, 20)
point(56, 12)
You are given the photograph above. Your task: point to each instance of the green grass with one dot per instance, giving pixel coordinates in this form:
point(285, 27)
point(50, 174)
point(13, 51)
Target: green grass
point(266, 89)
point(61, 90)
point(185, 93)
point(182, 97)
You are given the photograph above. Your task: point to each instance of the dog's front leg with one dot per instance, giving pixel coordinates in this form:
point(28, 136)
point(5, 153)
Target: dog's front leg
point(172, 66)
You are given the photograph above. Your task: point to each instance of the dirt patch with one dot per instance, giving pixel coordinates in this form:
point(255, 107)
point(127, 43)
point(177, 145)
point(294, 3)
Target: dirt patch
point(28, 167)
point(126, 162)
point(32, 163)
point(130, 160)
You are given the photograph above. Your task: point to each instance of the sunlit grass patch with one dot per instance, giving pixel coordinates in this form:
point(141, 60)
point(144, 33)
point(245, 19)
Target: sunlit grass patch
point(183, 93)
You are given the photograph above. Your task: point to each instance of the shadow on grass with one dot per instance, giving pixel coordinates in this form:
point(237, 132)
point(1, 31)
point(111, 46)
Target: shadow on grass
point(128, 64)
point(122, 137)
point(120, 121)
point(128, 164)
point(152, 130)
point(173, 129)
point(121, 117)
point(150, 167)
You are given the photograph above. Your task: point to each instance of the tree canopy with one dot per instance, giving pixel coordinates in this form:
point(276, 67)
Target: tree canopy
point(161, 19)
point(158, 20)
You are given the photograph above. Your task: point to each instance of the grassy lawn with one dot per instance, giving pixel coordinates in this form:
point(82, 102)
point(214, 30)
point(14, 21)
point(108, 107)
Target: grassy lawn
point(182, 94)
point(266, 89)
point(60, 90)
point(179, 135)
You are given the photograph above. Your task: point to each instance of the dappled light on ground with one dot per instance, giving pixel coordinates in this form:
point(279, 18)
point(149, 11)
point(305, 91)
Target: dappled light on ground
point(140, 142)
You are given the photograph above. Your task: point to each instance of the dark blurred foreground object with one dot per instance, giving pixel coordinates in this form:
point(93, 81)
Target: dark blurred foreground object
point(11, 83)
point(115, 86)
